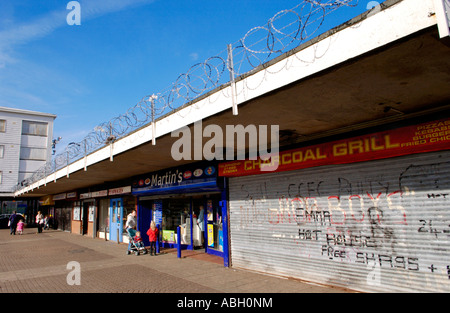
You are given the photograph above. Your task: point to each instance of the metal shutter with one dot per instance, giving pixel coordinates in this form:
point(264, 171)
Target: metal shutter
point(378, 226)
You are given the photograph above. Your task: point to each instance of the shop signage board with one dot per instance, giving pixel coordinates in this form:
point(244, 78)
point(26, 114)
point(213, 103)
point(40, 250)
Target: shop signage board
point(119, 191)
point(61, 196)
point(94, 194)
point(47, 200)
point(180, 179)
point(426, 137)
point(71, 195)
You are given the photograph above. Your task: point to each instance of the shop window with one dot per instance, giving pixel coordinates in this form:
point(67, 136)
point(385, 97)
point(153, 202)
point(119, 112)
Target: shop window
point(76, 211)
point(214, 226)
point(195, 216)
point(103, 215)
point(176, 213)
point(129, 204)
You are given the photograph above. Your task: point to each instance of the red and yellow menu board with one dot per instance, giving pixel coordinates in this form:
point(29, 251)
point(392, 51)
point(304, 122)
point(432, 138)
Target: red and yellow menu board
point(426, 137)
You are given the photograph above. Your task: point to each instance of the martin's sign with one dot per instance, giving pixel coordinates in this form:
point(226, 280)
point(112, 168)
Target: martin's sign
point(189, 178)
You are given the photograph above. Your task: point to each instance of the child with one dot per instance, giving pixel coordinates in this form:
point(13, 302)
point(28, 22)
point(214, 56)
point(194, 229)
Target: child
point(152, 235)
point(46, 222)
point(138, 240)
point(20, 227)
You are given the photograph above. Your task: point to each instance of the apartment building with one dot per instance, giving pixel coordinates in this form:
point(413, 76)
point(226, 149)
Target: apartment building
point(25, 145)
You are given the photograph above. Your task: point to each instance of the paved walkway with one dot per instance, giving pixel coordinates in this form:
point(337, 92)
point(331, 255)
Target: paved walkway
point(40, 263)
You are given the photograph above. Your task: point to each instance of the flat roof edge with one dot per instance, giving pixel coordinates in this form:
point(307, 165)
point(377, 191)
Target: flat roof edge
point(21, 111)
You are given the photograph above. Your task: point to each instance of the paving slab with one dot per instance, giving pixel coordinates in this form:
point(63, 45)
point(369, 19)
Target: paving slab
point(45, 263)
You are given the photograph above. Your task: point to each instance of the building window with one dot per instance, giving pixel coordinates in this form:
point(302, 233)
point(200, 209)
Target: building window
point(34, 128)
point(33, 154)
point(2, 151)
point(2, 126)
point(1, 177)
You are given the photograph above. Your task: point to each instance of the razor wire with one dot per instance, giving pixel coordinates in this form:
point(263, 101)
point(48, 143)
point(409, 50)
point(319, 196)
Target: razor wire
point(286, 30)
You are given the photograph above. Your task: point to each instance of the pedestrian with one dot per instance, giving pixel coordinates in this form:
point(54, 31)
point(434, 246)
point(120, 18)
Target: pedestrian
point(130, 226)
point(39, 221)
point(42, 223)
point(20, 227)
point(152, 233)
point(45, 222)
point(12, 223)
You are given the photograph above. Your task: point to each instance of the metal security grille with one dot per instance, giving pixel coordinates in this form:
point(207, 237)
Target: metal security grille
point(375, 226)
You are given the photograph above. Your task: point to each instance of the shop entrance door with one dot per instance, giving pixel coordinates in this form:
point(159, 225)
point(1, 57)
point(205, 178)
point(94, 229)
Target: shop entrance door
point(115, 225)
point(84, 218)
point(214, 226)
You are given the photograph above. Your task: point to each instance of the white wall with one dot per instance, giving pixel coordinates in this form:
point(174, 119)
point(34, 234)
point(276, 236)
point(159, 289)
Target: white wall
point(13, 169)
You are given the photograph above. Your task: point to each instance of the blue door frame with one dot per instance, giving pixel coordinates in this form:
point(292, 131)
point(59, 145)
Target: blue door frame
point(115, 219)
point(224, 213)
point(145, 215)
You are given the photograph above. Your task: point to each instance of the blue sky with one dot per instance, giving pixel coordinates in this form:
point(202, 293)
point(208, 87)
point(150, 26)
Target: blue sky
point(123, 50)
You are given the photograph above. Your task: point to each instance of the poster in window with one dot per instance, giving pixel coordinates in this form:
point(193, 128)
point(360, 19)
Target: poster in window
point(76, 213)
point(91, 213)
point(157, 212)
point(210, 235)
point(168, 236)
point(209, 210)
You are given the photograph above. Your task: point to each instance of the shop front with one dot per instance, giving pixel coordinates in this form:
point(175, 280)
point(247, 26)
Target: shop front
point(120, 205)
point(191, 198)
point(47, 208)
point(102, 214)
point(85, 211)
point(370, 212)
point(63, 210)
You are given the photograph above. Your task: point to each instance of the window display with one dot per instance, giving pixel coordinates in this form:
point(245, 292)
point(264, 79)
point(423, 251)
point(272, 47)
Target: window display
point(175, 212)
point(214, 230)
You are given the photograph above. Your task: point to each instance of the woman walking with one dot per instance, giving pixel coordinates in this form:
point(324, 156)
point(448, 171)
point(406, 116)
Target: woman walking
point(39, 221)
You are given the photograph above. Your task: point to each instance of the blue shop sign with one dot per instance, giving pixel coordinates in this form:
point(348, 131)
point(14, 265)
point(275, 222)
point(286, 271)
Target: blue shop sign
point(191, 178)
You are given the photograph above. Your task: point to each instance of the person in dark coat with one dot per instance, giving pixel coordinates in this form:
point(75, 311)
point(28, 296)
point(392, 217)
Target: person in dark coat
point(13, 219)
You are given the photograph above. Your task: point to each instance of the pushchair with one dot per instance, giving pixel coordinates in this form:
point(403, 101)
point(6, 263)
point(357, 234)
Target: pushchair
point(133, 246)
